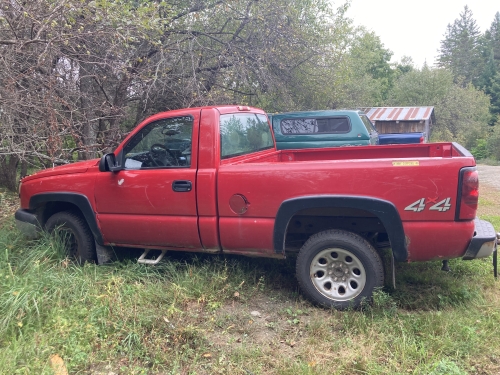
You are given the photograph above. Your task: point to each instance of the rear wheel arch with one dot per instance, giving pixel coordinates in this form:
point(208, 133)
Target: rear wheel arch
point(384, 210)
point(49, 204)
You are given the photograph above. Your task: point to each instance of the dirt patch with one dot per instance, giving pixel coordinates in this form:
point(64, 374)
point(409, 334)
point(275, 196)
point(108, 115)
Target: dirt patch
point(489, 190)
point(9, 203)
point(489, 175)
point(489, 200)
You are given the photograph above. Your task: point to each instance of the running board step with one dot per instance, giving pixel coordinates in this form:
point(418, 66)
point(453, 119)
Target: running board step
point(142, 259)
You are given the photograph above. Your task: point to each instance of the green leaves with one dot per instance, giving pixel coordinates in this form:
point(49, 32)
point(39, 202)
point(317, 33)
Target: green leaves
point(460, 49)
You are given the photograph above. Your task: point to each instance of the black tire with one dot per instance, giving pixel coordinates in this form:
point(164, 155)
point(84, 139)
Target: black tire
point(76, 234)
point(339, 269)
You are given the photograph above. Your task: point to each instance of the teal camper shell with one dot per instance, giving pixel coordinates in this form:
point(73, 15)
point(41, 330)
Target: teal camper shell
point(319, 129)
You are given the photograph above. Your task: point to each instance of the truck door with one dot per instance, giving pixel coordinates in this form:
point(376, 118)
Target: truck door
point(152, 201)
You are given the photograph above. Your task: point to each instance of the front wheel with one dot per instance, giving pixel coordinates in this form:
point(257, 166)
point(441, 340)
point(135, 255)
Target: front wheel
point(339, 269)
point(75, 235)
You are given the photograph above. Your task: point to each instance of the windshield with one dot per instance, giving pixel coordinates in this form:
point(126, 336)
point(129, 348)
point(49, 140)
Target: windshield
point(243, 133)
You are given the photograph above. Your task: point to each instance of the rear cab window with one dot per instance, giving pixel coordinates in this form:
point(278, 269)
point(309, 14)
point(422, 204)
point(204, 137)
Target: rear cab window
point(329, 125)
point(244, 133)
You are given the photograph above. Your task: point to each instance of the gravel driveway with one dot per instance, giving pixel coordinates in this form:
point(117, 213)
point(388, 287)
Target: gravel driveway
point(489, 174)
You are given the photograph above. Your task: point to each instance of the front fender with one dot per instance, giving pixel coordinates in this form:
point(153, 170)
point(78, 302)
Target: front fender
point(79, 200)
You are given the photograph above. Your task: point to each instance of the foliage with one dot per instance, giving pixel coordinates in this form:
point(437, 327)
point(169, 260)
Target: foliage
point(75, 76)
point(460, 48)
point(493, 142)
point(472, 57)
point(480, 151)
point(316, 82)
point(462, 112)
point(72, 72)
point(465, 113)
point(490, 78)
point(426, 86)
point(368, 73)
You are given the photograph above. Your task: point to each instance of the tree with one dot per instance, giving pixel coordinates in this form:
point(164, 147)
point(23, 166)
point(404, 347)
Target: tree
point(489, 80)
point(460, 49)
point(494, 93)
point(462, 111)
point(421, 87)
point(493, 37)
point(367, 72)
point(316, 83)
point(76, 75)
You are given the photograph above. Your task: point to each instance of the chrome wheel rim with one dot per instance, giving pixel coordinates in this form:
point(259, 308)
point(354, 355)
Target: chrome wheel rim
point(338, 274)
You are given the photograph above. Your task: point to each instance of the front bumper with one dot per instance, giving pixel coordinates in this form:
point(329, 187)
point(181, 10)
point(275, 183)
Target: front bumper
point(28, 224)
point(484, 241)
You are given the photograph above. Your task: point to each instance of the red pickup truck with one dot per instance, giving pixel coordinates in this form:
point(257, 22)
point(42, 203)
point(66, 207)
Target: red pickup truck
point(211, 180)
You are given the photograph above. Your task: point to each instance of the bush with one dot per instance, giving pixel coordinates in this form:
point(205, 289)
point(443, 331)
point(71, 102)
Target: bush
point(480, 151)
point(493, 143)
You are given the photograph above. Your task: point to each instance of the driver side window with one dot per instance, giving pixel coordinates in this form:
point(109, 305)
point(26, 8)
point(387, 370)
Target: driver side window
point(164, 143)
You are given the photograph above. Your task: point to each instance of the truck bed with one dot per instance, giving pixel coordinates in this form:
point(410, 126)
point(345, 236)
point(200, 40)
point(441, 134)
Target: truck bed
point(400, 174)
point(406, 151)
point(429, 150)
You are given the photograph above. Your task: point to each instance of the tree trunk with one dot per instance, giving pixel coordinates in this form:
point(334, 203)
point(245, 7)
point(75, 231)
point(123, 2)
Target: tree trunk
point(8, 171)
point(89, 132)
point(24, 168)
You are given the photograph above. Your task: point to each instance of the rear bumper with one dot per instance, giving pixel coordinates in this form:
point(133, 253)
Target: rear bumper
point(484, 241)
point(28, 224)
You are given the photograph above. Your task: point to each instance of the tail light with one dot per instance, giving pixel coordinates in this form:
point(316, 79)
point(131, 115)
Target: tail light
point(422, 139)
point(468, 194)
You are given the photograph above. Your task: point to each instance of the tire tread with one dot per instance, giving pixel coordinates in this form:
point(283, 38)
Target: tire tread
point(87, 252)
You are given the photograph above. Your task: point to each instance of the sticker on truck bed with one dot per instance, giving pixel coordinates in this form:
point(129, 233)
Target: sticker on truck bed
point(405, 163)
point(419, 205)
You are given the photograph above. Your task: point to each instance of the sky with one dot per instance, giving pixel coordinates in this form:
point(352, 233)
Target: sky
point(416, 28)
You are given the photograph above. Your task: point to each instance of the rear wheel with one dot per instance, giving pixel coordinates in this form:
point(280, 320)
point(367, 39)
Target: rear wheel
point(75, 234)
point(339, 269)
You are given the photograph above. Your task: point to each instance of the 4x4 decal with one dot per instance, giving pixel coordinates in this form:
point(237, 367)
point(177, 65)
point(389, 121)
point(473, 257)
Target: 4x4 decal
point(419, 205)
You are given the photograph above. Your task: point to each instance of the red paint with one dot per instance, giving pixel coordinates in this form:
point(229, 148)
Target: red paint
point(233, 202)
point(409, 114)
point(396, 116)
point(426, 239)
point(392, 114)
point(374, 116)
point(427, 112)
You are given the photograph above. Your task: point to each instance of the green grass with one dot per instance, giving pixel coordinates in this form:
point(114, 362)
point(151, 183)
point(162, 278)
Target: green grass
point(192, 315)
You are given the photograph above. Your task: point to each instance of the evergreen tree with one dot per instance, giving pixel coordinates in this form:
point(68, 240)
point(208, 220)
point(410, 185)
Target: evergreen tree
point(489, 80)
point(494, 93)
point(493, 37)
point(460, 50)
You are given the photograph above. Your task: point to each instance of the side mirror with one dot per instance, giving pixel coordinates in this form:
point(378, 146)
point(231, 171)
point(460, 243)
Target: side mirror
point(108, 163)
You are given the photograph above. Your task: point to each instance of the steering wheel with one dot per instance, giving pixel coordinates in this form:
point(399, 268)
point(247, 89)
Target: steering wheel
point(156, 152)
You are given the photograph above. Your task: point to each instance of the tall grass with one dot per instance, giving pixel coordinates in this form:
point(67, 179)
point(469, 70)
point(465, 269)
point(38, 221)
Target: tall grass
point(196, 314)
point(95, 314)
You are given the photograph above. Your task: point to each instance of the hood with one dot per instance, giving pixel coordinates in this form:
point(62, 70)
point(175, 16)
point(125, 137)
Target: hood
point(79, 167)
